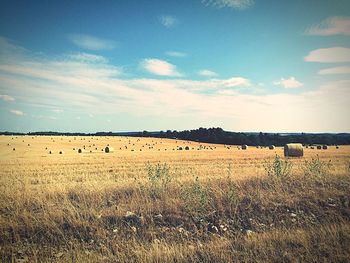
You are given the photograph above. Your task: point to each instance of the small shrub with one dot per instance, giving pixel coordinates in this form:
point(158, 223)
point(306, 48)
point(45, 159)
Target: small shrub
point(159, 177)
point(316, 168)
point(197, 200)
point(231, 194)
point(279, 168)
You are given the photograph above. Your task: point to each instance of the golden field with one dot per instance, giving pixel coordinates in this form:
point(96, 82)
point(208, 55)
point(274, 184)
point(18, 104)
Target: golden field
point(147, 201)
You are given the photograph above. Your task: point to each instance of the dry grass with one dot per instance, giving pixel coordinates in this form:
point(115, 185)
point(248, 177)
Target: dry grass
point(219, 205)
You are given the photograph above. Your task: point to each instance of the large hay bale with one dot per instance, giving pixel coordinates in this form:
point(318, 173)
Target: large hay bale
point(324, 147)
point(81, 150)
point(109, 149)
point(293, 150)
point(187, 148)
point(319, 147)
point(61, 152)
point(244, 147)
point(272, 147)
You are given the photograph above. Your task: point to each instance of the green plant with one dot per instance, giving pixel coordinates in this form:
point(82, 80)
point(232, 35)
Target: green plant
point(231, 194)
point(316, 168)
point(196, 198)
point(159, 177)
point(278, 168)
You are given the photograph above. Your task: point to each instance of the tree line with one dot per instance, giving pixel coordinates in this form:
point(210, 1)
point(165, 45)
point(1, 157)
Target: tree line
point(218, 135)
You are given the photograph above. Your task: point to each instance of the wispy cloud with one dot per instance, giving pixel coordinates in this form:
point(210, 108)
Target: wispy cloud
point(168, 21)
point(176, 54)
point(329, 55)
point(207, 73)
point(91, 42)
point(160, 67)
point(289, 83)
point(235, 4)
point(17, 112)
point(331, 26)
point(335, 70)
point(7, 98)
point(83, 87)
point(86, 58)
point(57, 110)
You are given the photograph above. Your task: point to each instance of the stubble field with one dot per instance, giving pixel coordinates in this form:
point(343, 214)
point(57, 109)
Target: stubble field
point(148, 201)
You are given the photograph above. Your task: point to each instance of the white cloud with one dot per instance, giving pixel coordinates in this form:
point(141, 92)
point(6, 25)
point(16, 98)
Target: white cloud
point(329, 55)
point(236, 4)
point(78, 117)
point(44, 117)
point(7, 98)
point(331, 26)
point(176, 54)
point(234, 82)
point(91, 42)
point(86, 58)
point(168, 21)
point(80, 88)
point(335, 70)
point(289, 83)
point(57, 110)
point(207, 73)
point(17, 112)
point(160, 67)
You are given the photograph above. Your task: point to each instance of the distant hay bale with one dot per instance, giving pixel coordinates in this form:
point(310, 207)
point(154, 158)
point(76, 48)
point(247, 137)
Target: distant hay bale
point(319, 147)
point(336, 147)
point(293, 150)
point(272, 147)
point(244, 147)
point(311, 147)
point(324, 147)
point(14, 149)
point(61, 152)
point(50, 152)
point(81, 150)
point(180, 148)
point(187, 148)
point(109, 149)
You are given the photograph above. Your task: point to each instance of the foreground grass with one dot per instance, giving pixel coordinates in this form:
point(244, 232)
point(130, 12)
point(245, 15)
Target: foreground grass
point(291, 214)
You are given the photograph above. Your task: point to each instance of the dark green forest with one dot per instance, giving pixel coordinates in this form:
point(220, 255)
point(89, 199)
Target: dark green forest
point(218, 135)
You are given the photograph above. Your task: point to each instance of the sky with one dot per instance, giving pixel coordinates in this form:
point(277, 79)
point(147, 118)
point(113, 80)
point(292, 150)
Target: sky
point(243, 65)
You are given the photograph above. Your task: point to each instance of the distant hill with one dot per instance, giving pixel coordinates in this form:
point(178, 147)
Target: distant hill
point(218, 135)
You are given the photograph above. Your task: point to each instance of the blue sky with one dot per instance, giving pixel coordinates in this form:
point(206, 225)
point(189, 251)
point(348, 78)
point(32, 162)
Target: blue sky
point(244, 65)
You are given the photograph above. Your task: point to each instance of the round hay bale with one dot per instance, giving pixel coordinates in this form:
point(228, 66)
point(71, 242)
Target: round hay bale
point(180, 148)
point(324, 147)
point(14, 149)
point(109, 149)
point(244, 147)
point(50, 152)
point(187, 148)
point(336, 147)
point(311, 147)
point(272, 147)
point(293, 150)
point(319, 147)
point(81, 150)
point(61, 152)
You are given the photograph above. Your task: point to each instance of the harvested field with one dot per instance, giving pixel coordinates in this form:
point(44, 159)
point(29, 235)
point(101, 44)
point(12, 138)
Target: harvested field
point(148, 202)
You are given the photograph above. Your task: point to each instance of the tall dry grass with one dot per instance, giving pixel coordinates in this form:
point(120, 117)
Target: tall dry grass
point(190, 210)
